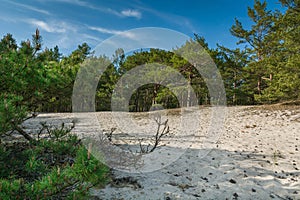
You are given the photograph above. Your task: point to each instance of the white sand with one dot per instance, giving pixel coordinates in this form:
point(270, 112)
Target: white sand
point(256, 157)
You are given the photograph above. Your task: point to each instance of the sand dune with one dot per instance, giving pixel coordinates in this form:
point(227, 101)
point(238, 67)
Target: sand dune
point(255, 154)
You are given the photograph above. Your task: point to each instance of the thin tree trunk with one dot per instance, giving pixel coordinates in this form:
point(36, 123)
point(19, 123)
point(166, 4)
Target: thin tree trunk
point(23, 133)
point(234, 88)
point(258, 86)
point(137, 100)
point(155, 89)
point(188, 102)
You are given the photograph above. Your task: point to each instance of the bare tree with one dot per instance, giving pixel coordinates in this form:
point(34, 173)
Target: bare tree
point(162, 130)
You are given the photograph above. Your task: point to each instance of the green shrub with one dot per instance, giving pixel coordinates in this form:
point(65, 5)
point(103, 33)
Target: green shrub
point(59, 168)
point(10, 114)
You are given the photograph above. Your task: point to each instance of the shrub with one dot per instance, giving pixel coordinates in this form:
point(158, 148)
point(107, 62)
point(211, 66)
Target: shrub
point(10, 114)
point(59, 168)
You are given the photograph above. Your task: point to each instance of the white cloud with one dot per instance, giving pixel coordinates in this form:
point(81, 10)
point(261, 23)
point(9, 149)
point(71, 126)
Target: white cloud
point(91, 37)
point(113, 32)
point(70, 41)
point(131, 13)
point(8, 19)
point(170, 18)
point(51, 27)
point(64, 34)
point(123, 13)
point(28, 7)
point(78, 3)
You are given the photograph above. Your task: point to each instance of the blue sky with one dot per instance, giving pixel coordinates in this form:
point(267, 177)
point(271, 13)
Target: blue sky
point(68, 23)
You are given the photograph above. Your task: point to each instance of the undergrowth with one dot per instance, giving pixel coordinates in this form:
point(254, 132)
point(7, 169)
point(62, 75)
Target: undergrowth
point(56, 168)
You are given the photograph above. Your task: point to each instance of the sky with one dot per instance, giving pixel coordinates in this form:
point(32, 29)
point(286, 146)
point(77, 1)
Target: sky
point(69, 23)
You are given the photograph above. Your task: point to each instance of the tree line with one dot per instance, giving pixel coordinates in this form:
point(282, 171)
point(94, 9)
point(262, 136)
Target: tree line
point(263, 68)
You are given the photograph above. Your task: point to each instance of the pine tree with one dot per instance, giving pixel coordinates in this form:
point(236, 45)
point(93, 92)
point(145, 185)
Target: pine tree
point(284, 59)
point(256, 44)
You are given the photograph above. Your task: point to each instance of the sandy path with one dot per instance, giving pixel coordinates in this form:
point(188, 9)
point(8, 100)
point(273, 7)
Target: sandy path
point(256, 157)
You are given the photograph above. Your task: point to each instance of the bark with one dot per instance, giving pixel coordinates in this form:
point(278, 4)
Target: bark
point(258, 86)
point(23, 133)
point(188, 102)
point(155, 90)
point(234, 87)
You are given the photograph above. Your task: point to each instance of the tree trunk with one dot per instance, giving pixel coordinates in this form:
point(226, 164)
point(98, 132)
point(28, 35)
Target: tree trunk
point(234, 88)
point(155, 90)
point(258, 86)
point(188, 100)
point(137, 100)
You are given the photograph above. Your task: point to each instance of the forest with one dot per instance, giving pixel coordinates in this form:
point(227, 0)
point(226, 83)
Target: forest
point(264, 68)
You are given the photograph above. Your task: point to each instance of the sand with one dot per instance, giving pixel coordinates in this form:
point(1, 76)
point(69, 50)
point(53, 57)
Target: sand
point(247, 153)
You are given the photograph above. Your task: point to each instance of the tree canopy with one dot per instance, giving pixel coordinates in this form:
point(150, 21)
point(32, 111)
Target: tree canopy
point(263, 68)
